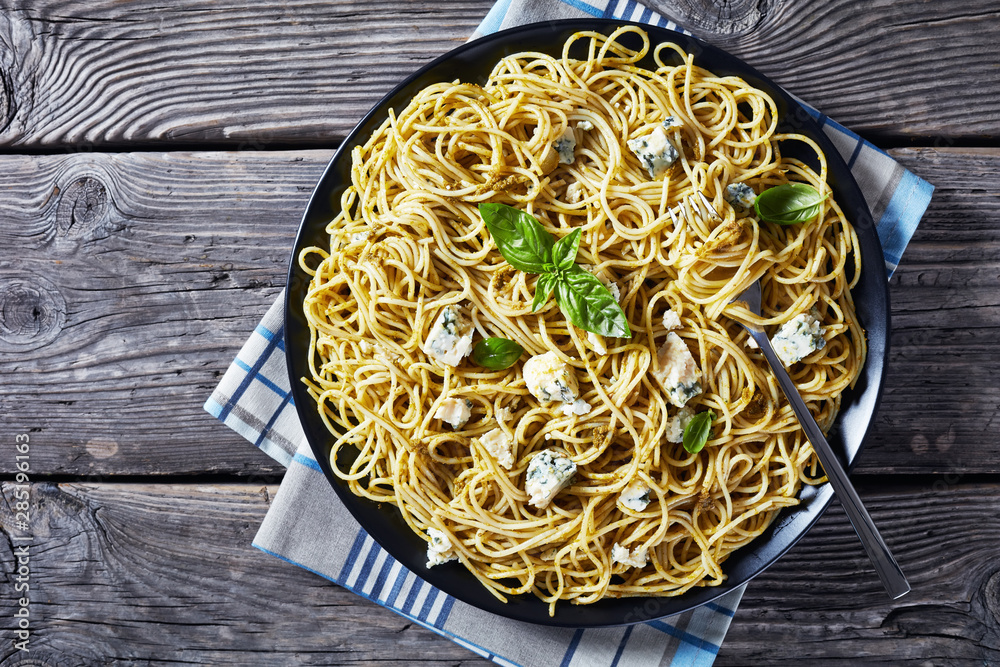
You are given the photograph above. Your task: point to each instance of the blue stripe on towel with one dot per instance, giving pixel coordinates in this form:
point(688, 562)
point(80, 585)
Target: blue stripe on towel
point(411, 597)
point(309, 463)
point(621, 645)
point(273, 338)
point(438, 630)
point(686, 637)
point(445, 612)
point(263, 379)
point(584, 7)
point(383, 575)
point(352, 555)
point(855, 154)
point(719, 608)
point(277, 338)
point(571, 649)
point(425, 609)
point(270, 424)
point(902, 216)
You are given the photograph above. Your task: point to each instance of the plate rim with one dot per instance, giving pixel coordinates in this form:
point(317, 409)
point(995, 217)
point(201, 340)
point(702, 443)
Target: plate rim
point(665, 606)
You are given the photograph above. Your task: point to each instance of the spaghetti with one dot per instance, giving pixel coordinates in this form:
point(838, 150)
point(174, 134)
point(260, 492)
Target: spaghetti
point(641, 516)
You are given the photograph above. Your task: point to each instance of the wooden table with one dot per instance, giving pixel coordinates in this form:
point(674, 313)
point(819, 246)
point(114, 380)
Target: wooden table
point(154, 162)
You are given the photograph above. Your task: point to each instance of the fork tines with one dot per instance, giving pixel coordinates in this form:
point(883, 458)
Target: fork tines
point(695, 208)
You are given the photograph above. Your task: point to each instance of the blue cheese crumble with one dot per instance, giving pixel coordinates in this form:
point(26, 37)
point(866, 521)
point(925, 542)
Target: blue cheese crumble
point(635, 558)
point(548, 473)
point(677, 424)
point(566, 147)
point(740, 194)
point(500, 447)
point(585, 125)
point(439, 548)
point(655, 152)
point(454, 411)
point(671, 122)
point(616, 291)
point(671, 320)
point(596, 342)
point(677, 371)
point(798, 338)
point(578, 407)
point(635, 496)
point(549, 378)
point(450, 339)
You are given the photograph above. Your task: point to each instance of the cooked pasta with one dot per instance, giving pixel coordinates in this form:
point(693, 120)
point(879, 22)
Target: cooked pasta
point(476, 461)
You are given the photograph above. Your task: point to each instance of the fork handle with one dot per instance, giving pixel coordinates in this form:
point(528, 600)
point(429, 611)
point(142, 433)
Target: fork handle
point(885, 565)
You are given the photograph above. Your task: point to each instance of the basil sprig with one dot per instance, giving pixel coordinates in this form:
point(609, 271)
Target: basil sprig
point(697, 431)
point(496, 354)
point(789, 204)
point(581, 296)
point(588, 304)
point(522, 241)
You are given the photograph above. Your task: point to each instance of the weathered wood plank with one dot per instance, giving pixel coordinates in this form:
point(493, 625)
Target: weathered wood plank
point(101, 73)
point(148, 271)
point(125, 574)
point(941, 408)
point(129, 283)
point(889, 70)
point(122, 573)
point(822, 601)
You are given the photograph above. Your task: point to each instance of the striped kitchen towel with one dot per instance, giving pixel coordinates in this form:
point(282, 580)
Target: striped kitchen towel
point(308, 526)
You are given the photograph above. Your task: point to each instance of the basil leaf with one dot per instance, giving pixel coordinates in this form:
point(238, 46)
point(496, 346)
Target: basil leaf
point(496, 354)
point(543, 288)
point(527, 247)
point(697, 431)
point(565, 249)
point(588, 304)
point(520, 238)
point(789, 204)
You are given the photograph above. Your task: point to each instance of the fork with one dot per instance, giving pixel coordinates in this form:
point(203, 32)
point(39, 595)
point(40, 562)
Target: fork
point(885, 565)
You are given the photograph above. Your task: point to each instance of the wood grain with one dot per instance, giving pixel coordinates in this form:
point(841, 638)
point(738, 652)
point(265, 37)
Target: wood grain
point(125, 573)
point(129, 280)
point(112, 75)
point(889, 70)
point(822, 600)
point(133, 279)
point(162, 264)
point(229, 73)
point(143, 574)
point(941, 408)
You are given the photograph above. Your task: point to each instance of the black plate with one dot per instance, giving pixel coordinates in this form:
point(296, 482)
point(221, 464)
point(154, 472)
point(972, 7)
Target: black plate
point(473, 62)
